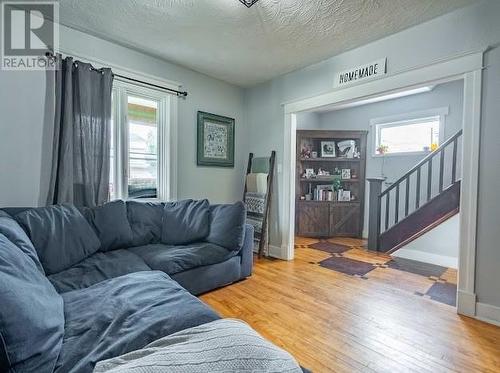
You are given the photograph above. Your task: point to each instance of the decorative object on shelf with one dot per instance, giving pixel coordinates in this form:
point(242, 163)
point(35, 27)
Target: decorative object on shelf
point(346, 173)
point(344, 195)
point(305, 153)
point(382, 149)
point(337, 184)
point(322, 172)
point(309, 193)
point(248, 3)
point(215, 140)
point(328, 149)
point(357, 153)
point(309, 173)
point(347, 148)
point(314, 155)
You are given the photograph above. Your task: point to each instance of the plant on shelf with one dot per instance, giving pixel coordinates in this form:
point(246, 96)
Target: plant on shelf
point(336, 184)
point(305, 153)
point(382, 149)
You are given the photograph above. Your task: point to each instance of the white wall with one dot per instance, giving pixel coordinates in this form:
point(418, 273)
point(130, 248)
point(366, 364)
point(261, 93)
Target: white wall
point(468, 29)
point(438, 246)
point(448, 95)
point(25, 140)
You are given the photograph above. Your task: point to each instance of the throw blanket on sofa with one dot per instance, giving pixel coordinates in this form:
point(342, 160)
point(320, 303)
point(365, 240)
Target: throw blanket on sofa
point(226, 345)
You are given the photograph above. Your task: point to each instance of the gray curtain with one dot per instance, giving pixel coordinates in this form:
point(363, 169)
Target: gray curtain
point(82, 134)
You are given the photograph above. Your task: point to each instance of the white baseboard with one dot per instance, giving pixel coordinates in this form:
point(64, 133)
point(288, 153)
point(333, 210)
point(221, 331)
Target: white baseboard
point(278, 252)
point(488, 313)
point(422, 256)
point(466, 303)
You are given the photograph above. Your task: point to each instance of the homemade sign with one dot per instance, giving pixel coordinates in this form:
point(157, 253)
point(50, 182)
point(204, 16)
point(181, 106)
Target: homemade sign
point(363, 72)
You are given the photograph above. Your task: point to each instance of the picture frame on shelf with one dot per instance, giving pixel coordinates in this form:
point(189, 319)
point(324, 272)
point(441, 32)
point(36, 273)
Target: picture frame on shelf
point(344, 196)
point(215, 140)
point(328, 149)
point(346, 174)
point(309, 173)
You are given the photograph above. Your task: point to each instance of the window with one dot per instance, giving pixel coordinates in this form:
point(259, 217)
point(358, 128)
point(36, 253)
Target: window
point(142, 147)
point(415, 135)
point(141, 143)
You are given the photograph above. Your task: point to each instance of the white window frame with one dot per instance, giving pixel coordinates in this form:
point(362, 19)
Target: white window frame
point(376, 125)
point(167, 139)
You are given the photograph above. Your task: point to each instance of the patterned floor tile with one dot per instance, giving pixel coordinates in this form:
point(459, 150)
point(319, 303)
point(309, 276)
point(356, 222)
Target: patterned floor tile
point(443, 292)
point(347, 255)
point(329, 247)
point(348, 266)
point(418, 268)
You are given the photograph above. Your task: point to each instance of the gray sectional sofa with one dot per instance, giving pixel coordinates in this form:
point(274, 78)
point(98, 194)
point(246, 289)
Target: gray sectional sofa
point(81, 285)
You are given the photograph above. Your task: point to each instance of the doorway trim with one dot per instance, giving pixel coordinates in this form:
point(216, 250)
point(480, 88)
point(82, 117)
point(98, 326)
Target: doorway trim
point(467, 67)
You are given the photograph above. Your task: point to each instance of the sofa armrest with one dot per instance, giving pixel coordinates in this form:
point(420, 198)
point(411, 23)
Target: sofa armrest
point(246, 252)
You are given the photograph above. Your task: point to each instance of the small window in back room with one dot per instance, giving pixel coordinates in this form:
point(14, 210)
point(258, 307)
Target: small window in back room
point(413, 136)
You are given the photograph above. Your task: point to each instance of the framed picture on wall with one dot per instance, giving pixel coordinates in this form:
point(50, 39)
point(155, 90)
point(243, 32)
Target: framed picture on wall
point(215, 140)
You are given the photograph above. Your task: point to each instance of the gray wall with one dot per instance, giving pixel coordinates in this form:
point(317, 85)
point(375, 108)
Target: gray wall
point(25, 140)
point(488, 246)
point(465, 30)
point(358, 118)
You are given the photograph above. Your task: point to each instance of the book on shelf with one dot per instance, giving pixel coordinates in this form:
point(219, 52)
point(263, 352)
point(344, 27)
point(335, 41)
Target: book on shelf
point(324, 193)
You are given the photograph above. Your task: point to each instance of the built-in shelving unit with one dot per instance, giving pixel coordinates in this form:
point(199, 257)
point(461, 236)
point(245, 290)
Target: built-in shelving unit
point(321, 209)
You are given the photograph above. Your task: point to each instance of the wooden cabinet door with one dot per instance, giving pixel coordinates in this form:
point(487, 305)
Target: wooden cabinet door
point(313, 219)
point(345, 220)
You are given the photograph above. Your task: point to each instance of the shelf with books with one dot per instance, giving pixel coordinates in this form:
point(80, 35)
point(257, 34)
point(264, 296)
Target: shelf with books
point(326, 179)
point(331, 159)
point(330, 183)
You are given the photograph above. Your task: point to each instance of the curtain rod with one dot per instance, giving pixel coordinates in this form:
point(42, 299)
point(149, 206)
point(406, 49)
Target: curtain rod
point(178, 93)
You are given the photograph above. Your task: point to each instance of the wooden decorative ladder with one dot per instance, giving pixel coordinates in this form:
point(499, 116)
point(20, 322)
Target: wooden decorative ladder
point(409, 208)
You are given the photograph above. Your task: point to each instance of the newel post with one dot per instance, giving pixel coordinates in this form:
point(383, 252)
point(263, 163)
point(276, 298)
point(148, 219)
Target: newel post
point(374, 212)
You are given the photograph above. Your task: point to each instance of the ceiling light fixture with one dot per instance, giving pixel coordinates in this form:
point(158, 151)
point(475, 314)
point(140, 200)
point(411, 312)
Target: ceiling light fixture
point(248, 3)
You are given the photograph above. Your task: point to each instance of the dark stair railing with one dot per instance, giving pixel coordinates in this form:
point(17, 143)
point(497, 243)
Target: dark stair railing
point(377, 195)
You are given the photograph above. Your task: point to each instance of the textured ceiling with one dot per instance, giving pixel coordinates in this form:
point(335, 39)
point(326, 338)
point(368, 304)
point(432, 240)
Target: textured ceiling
point(224, 39)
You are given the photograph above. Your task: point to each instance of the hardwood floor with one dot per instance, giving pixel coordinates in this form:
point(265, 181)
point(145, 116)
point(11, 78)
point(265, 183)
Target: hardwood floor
point(333, 322)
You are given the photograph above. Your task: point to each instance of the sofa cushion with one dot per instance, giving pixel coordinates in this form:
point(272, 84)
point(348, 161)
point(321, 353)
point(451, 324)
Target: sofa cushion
point(31, 313)
point(13, 231)
point(185, 222)
point(124, 314)
point(145, 220)
point(60, 234)
point(96, 268)
point(174, 259)
point(227, 225)
point(112, 226)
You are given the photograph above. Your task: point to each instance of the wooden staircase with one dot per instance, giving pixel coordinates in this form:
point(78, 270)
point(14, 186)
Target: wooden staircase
point(411, 207)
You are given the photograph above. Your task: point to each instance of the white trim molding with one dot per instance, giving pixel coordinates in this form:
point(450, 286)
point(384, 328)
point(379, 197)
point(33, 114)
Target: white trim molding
point(278, 252)
point(376, 125)
point(422, 256)
point(465, 67)
point(469, 184)
point(466, 303)
point(488, 313)
point(167, 138)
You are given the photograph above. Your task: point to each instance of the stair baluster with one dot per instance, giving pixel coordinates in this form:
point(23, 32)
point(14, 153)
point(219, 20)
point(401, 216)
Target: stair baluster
point(376, 195)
